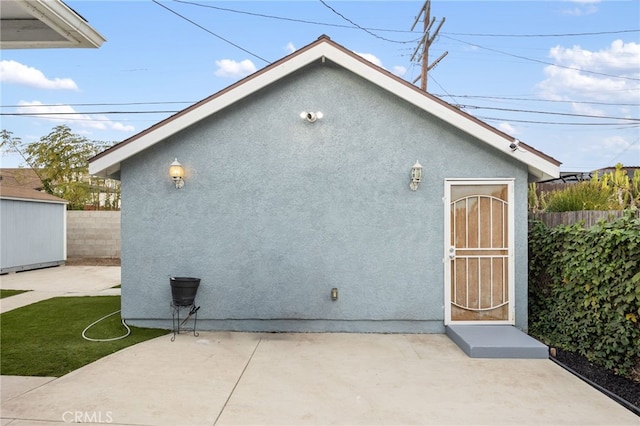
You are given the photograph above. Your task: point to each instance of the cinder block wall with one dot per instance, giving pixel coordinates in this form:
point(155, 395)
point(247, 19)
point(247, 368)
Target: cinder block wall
point(93, 234)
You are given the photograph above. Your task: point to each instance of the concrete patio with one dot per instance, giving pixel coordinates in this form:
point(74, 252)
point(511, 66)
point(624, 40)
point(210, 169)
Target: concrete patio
point(227, 378)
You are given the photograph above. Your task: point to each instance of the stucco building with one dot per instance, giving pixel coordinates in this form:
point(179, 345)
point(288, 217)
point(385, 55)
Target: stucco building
point(297, 211)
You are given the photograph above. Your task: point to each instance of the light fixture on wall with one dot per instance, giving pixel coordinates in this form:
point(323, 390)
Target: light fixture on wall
point(416, 176)
point(176, 171)
point(311, 117)
point(334, 294)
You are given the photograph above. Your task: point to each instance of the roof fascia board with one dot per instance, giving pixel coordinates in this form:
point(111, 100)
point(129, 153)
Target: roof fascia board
point(103, 166)
point(109, 163)
point(65, 22)
point(31, 200)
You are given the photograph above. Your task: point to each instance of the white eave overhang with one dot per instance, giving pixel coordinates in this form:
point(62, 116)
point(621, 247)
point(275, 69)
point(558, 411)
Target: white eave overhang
point(108, 165)
point(37, 24)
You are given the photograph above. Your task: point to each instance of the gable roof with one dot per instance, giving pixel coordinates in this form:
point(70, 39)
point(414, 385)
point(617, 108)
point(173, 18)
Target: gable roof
point(26, 194)
point(21, 178)
point(107, 163)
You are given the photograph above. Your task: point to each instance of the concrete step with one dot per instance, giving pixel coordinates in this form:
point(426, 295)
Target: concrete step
point(496, 341)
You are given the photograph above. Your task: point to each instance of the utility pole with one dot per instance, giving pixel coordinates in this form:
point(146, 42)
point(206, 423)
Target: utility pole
point(425, 43)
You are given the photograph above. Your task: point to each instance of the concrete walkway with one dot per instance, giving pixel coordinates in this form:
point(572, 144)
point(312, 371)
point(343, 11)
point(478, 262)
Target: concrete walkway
point(58, 281)
point(294, 379)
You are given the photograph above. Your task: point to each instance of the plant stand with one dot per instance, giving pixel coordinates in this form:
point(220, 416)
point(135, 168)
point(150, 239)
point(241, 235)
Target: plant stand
point(178, 325)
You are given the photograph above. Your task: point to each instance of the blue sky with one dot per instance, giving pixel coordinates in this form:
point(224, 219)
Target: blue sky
point(562, 76)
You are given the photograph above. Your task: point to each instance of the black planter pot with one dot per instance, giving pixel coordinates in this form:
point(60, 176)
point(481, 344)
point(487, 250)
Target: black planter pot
point(183, 290)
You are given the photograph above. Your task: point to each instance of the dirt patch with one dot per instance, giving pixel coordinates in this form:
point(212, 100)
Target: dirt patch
point(92, 261)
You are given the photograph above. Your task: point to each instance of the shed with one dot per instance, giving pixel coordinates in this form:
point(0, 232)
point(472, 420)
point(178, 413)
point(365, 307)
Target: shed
point(33, 229)
point(299, 212)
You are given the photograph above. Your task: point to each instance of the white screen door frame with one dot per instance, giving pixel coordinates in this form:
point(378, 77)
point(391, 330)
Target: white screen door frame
point(495, 253)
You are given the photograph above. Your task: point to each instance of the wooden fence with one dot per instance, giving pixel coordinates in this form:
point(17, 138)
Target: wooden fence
point(589, 217)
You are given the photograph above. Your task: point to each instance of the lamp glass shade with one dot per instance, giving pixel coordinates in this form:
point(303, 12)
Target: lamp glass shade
point(416, 172)
point(176, 171)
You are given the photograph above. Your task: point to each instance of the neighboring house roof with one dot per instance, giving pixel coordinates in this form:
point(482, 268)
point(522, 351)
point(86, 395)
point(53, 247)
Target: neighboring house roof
point(34, 24)
point(107, 163)
point(21, 178)
point(573, 177)
point(15, 193)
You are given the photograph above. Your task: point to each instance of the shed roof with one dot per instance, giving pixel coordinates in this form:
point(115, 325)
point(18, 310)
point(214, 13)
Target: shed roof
point(20, 177)
point(107, 163)
point(26, 194)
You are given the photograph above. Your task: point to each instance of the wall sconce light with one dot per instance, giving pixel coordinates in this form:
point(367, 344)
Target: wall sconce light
point(176, 171)
point(416, 176)
point(334, 294)
point(311, 117)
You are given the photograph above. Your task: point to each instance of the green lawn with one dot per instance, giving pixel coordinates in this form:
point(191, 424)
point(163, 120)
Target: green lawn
point(45, 338)
point(9, 293)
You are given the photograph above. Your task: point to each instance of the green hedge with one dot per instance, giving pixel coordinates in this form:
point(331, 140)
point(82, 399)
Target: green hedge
point(584, 290)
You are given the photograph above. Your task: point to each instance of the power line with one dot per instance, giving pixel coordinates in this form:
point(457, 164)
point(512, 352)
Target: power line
point(624, 150)
point(509, 98)
point(566, 123)
point(55, 114)
point(566, 114)
point(100, 104)
point(211, 32)
point(362, 28)
point(283, 18)
point(327, 24)
point(18, 114)
point(546, 35)
point(534, 100)
point(540, 61)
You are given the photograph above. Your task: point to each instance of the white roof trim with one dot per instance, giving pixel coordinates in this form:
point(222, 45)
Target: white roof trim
point(31, 200)
point(109, 163)
point(74, 31)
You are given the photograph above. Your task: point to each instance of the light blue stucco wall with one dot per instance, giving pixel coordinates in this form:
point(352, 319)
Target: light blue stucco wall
point(276, 211)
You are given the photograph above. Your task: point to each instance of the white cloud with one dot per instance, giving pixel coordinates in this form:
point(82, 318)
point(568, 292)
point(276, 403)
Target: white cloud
point(618, 59)
point(584, 7)
point(66, 114)
point(507, 128)
point(371, 58)
point(581, 10)
point(619, 144)
point(399, 70)
point(231, 68)
point(290, 48)
point(17, 73)
point(587, 109)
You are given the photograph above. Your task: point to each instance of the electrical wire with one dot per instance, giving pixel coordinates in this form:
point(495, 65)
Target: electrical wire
point(365, 29)
point(282, 18)
point(615, 157)
point(101, 104)
point(567, 114)
point(540, 61)
point(85, 112)
point(211, 32)
point(110, 339)
point(507, 98)
point(546, 35)
point(566, 123)
point(303, 21)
